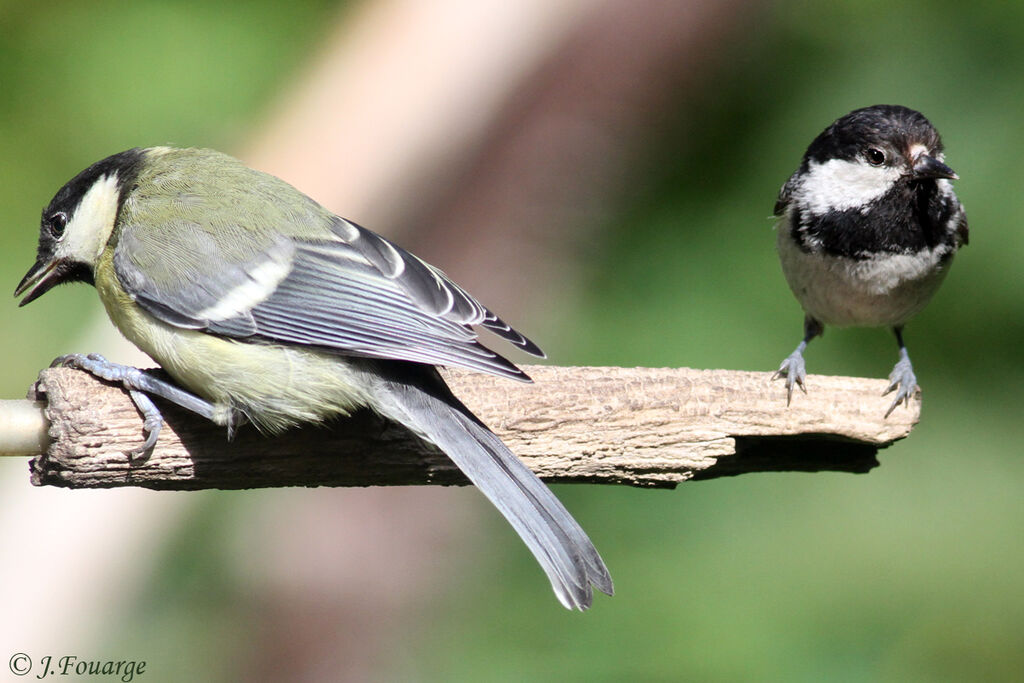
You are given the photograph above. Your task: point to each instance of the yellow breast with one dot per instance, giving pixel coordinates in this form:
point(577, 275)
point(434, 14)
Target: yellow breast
point(275, 386)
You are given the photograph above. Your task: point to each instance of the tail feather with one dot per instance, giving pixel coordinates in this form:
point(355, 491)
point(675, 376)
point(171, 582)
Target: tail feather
point(560, 545)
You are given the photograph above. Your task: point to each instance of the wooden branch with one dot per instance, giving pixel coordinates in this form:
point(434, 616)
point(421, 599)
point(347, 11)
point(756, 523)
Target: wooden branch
point(637, 426)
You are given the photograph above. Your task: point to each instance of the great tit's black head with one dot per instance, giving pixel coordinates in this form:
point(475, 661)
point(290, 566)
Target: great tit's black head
point(78, 222)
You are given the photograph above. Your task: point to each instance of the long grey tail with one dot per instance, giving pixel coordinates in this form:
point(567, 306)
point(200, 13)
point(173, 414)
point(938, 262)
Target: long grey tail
point(416, 397)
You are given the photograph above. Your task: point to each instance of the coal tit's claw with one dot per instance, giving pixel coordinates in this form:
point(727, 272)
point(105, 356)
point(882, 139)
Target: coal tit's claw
point(903, 381)
point(794, 371)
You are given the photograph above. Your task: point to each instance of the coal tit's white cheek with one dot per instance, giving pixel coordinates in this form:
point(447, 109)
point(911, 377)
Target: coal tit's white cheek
point(91, 223)
point(841, 185)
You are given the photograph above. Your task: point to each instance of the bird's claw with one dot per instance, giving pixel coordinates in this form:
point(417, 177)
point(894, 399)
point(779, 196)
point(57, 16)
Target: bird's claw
point(129, 377)
point(79, 361)
point(903, 381)
point(152, 422)
point(795, 372)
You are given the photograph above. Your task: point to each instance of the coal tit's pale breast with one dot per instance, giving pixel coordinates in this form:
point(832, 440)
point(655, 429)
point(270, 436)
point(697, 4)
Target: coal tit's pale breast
point(883, 290)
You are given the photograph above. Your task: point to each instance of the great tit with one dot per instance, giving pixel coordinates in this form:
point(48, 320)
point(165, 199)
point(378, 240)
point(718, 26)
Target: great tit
point(868, 226)
point(263, 306)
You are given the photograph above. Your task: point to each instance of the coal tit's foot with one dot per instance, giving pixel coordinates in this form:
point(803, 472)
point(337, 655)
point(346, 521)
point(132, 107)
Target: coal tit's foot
point(794, 371)
point(903, 381)
point(139, 385)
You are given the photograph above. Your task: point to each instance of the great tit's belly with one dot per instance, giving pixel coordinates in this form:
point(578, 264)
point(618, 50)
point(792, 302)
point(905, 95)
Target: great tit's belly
point(887, 290)
point(274, 386)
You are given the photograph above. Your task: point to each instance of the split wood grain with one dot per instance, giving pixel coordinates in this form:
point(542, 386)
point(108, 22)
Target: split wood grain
point(638, 426)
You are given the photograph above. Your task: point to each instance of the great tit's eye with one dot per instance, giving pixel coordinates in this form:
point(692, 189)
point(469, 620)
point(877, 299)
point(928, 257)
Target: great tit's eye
point(57, 223)
point(875, 156)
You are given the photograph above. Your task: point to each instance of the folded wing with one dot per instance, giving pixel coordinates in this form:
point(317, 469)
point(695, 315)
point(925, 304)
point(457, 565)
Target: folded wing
point(348, 290)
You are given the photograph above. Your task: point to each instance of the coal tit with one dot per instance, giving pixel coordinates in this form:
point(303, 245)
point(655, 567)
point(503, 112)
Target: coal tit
point(868, 226)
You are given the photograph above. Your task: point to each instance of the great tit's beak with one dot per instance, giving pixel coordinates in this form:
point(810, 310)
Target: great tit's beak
point(39, 279)
point(929, 167)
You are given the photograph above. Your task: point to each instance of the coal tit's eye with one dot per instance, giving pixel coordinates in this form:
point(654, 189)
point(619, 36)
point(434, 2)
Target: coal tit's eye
point(875, 156)
point(57, 223)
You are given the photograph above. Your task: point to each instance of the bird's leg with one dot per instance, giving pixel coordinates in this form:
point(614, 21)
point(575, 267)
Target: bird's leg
point(792, 368)
point(140, 384)
point(902, 376)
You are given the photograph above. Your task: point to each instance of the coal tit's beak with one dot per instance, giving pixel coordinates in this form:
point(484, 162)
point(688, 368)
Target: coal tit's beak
point(40, 278)
point(929, 167)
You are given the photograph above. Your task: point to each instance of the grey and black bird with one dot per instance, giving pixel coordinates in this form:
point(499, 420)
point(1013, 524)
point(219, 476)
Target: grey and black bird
point(265, 307)
point(868, 227)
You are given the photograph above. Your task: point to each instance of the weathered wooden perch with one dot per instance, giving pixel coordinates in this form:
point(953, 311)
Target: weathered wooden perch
point(637, 426)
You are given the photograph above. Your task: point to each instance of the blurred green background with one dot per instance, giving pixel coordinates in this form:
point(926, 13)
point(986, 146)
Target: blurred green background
point(912, 572)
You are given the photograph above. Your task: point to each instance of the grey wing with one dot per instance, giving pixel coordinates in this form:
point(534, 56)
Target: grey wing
point(962, 232)
point(352, 292)
point(785, 195)
point(429, 287)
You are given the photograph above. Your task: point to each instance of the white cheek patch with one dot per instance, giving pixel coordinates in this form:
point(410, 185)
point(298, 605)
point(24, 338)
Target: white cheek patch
point(840, 185)
point(92, 223)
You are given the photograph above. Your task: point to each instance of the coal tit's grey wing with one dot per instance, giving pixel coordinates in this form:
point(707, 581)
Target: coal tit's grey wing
point(962, 233)
point(785, 195)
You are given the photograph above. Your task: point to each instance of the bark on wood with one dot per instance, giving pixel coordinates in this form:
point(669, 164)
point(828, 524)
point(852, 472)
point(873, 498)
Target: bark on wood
point(636, 426)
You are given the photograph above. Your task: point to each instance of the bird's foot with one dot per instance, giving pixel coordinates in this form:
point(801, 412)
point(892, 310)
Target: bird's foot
point(793, 369)
point(139, 384)
point(903, 381)
point(98, 366)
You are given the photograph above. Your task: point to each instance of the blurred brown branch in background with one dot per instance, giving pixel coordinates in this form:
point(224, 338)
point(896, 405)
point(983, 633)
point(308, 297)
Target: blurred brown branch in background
point(489, 138)
point(497, 153)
